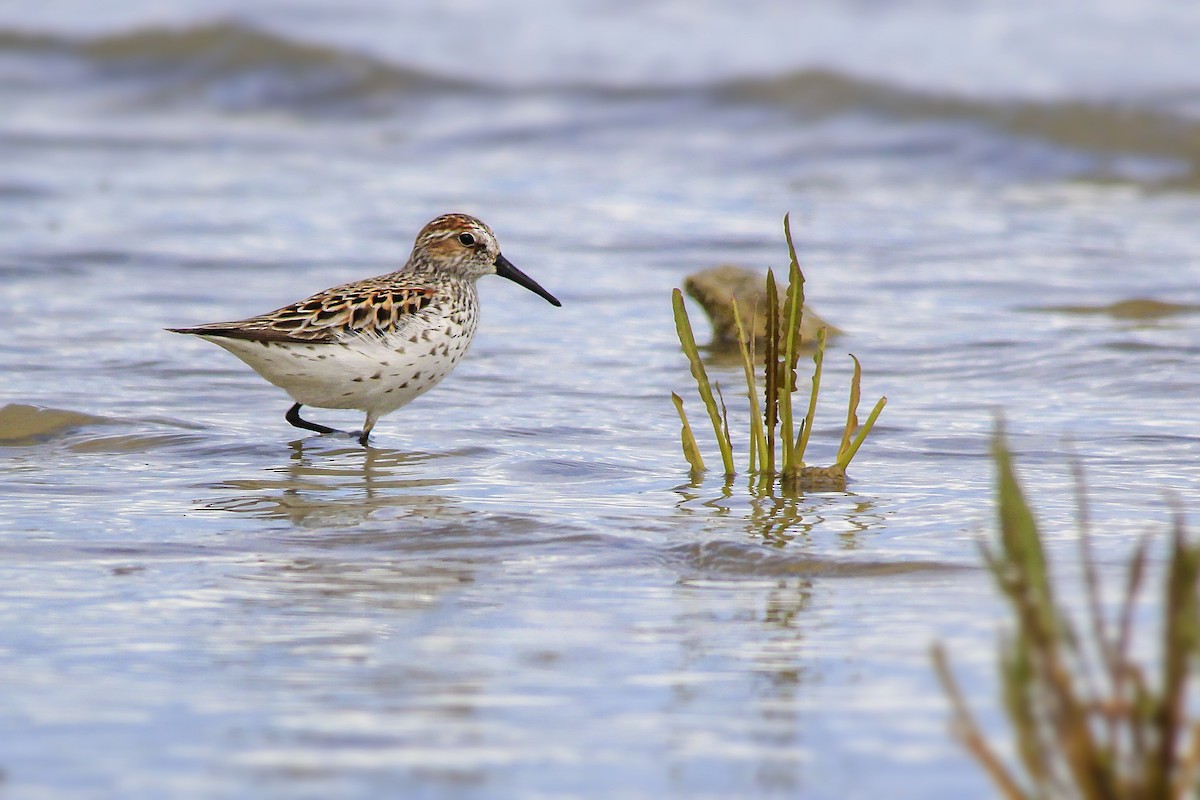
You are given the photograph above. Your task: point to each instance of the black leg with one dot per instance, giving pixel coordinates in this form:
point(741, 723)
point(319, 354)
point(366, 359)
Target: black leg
point(368, 425)
point(293, 416)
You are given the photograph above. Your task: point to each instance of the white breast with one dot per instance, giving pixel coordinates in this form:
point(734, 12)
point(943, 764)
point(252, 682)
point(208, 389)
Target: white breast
point(365, 372)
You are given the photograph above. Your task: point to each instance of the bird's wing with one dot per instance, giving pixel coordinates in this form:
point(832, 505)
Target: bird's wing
point(329, 316)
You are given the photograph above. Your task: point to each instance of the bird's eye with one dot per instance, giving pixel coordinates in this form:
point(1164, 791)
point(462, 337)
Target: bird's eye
point(466, 239)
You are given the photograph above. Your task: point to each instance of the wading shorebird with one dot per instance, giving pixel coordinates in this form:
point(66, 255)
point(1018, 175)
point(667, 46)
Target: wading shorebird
point(377, 344)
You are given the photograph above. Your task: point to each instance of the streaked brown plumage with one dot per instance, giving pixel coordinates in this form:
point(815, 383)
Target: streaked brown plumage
point(376, 344)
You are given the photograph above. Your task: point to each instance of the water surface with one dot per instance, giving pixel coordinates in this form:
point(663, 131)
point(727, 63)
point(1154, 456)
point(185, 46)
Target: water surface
point(518, 590)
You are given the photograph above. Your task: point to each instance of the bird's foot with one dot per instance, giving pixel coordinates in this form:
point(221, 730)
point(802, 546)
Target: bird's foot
point(293, 417)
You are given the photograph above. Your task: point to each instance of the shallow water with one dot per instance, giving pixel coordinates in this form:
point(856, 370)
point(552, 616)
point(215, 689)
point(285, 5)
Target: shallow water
point(517, 589)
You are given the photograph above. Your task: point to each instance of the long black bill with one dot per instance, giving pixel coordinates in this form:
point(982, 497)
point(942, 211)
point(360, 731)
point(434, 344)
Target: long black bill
point(505, 269)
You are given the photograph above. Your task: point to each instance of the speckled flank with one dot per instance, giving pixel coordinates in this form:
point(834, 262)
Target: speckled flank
point(373, 373)
point(376, 344)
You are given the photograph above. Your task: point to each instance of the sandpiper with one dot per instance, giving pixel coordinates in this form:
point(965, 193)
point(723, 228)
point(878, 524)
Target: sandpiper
point(376, 344)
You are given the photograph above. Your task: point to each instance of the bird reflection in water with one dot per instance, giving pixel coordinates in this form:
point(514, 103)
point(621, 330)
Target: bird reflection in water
point(334, 485)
